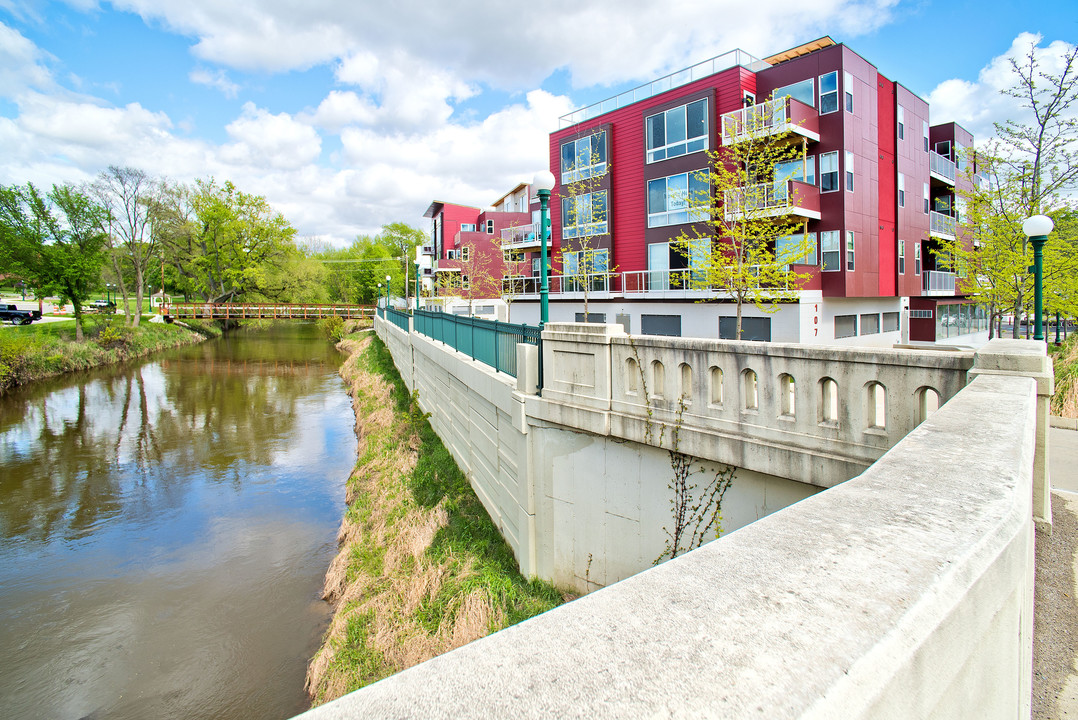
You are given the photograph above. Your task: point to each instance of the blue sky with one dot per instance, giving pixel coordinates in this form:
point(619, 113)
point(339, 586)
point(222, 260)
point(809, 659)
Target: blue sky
point(347, 116)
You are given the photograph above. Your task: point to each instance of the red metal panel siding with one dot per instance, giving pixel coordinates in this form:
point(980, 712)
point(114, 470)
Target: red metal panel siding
point(886, 202)
point(923, 329)
point(626, 156)
point(912, 162)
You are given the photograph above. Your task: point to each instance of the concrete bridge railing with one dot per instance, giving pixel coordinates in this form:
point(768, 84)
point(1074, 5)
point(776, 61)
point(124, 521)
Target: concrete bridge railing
point(905, 592)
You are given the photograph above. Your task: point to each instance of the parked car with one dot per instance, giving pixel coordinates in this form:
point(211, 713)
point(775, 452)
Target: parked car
point(11, 313)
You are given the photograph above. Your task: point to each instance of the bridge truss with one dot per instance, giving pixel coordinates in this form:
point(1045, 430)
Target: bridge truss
point(264, 311)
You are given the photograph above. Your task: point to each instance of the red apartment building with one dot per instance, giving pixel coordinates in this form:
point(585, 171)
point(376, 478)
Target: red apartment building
point(875, 191)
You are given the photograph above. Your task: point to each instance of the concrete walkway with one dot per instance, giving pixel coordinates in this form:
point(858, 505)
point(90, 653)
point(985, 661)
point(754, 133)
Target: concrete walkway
point(1055, 633)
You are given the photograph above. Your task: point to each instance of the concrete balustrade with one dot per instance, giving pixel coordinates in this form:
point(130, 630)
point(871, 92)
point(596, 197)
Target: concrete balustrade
point(906, 592)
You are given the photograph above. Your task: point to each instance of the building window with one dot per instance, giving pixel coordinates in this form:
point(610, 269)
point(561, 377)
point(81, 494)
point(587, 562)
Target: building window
point(803, 91)
point(917, 258)
point(513, 256)
point(678, 199)
point(921, 314)
point(901, 122)
point(924, 133)
point(870, 324)
point(669, 325)
point(845, 326)
point(901, 257)
point(678, 131)
point(901, 190)
point(752, 328)
point(467, 227)
point(849, 171)
point(786, 249)
point(928, 201)
point(847, 86)
point(829, 171)
point(465, 283)
point(802, 170)
point(829, 250)
point(890, 321)
point(583, 158)
point(465, 253)
point(944, 148)
point(829, 93)
point(849, 249)
point(584, 215)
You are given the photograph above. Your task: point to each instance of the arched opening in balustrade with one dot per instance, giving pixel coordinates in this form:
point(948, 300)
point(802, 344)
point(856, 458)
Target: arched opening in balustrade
point(658, 379)
point(685, 392)
point(715, 393)
point(928, 402)
point(828, 405)
point(787, 396)
point(876, 406)
point(750, 390)
point(632, 376)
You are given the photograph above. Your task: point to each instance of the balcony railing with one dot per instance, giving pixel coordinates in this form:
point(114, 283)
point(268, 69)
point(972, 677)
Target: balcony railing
point(791, 197)
point(935, 282)
point(524, 286)
point(941, 167)
point(521, 236)
point(941, 225)
point(675, 283)
point(773, 117)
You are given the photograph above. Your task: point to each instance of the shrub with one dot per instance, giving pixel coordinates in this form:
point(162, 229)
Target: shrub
point(332, 327)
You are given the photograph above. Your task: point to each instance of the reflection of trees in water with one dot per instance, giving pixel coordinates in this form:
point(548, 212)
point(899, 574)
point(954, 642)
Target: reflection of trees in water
point(75, 456)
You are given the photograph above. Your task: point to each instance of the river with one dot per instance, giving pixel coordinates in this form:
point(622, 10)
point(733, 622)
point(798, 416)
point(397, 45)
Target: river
point(165, 527)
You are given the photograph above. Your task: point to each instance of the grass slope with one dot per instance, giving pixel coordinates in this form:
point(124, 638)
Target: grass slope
point(421, 568)
point(1065, 362)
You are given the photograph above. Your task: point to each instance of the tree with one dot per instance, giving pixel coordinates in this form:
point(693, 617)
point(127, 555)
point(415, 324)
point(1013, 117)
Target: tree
point(402, 239)
point(127, 195)
point(1027, 169)
point(53, 241)
point(744, 240)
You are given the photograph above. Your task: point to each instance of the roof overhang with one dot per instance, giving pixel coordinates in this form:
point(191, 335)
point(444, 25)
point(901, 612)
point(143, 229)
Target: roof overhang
point(800, 50)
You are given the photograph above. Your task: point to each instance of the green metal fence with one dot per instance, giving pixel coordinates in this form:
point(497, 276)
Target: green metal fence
point(488, 341)
point(398, 318)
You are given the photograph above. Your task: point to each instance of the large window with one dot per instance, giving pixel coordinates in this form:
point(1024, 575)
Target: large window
point(845, 326)
point(584, 215)
point(829, 171)
point(583, 158)
point(829, 93)
point(660, 325)
point(786, 248)
point(677, 199)
point(805, 171)
point(678, 131)
point(870, 323)
point(830, 250)
point(803, 91)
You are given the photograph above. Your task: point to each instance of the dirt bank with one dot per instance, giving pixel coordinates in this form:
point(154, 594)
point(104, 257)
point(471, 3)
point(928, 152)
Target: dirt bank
point(420, 568)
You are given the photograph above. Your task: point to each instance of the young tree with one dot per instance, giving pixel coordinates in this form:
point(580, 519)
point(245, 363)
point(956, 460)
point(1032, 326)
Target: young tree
point(744, 238)
point(53, 241)
point(402, 239)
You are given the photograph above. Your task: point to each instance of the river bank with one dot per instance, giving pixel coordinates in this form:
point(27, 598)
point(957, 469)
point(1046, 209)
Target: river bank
point(32, 353)
point(420, 568)
point(1065, 363)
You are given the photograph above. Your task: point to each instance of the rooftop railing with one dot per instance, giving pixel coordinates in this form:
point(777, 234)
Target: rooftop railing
point(699, 71)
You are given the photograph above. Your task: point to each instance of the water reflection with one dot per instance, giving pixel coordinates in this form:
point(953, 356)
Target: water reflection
point(164, 528)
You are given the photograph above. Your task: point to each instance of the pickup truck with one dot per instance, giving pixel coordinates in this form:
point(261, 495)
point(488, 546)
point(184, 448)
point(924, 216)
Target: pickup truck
point(11, 313)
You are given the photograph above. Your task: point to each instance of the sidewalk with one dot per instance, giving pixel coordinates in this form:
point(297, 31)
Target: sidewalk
point(1055, 628)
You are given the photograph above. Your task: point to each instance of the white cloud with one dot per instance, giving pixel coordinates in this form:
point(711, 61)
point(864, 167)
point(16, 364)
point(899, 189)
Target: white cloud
point(264, 139)
point(20, 63)
point(977, 105)
point(218, 80)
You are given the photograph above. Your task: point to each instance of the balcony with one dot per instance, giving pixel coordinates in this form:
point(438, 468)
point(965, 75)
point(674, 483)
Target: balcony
point(597, 286)
point(683, 284)
point(521, 237)
point(935, 282)
point(941, 226)
point(941, 169)
point(764, 200)
point(427, 250)
point(772, 118)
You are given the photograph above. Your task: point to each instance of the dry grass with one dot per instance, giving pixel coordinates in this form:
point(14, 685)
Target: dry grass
point(401, 595)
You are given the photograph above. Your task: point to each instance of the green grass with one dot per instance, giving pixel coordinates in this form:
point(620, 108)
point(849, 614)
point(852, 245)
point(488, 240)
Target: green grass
point(1065, 364)
point(33, 352)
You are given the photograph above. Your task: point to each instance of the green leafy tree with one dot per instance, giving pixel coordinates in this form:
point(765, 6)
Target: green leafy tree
point(744, 239)
point(53, 241)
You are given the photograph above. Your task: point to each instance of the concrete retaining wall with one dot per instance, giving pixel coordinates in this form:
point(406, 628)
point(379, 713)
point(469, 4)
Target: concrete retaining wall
point(903, 593)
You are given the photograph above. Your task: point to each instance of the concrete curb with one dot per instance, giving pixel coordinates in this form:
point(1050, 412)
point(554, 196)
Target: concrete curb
point(1065, 423)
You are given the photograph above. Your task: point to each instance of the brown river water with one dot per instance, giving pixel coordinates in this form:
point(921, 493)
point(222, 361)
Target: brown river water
point(165, 527)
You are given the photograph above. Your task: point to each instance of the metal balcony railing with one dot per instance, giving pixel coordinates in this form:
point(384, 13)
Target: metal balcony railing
point(783, 114)
point(521, 235)
point(771, 199)
point(941, 166)
point(940, 224)
point(936, 282)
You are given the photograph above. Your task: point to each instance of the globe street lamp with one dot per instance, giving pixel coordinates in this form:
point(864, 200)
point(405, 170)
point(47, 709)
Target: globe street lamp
point(1036, 228)
point(544, 183)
